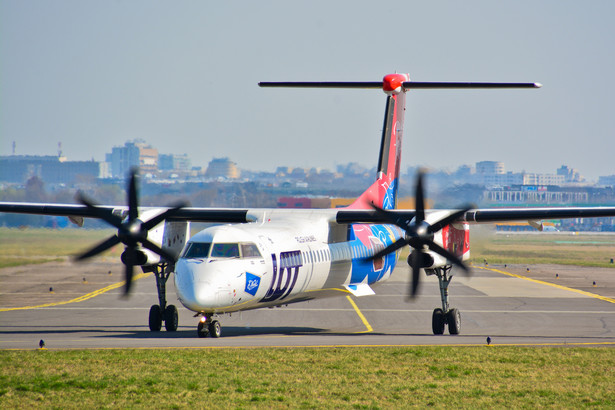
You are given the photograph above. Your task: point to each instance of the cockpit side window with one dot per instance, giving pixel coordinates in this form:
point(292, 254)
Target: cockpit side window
point(197, 250)
point(249, 250)
point(225, 250)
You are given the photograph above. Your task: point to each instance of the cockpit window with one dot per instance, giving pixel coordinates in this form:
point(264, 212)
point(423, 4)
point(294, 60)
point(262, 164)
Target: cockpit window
point(225, 250)
point(200, 250)
point(249, 250)
point(197, 250)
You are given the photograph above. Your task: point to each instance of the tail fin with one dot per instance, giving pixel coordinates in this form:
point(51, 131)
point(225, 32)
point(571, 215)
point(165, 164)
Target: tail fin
point(383, 192)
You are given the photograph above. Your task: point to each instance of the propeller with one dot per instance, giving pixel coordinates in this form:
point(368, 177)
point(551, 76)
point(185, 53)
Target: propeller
point(419, 235)
point(131, 231)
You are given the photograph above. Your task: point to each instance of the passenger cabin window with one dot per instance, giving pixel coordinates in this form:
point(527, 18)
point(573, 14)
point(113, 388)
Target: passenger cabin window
point(197, 250)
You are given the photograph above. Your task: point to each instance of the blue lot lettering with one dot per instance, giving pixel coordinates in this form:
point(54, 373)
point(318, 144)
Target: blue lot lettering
point(283, 282)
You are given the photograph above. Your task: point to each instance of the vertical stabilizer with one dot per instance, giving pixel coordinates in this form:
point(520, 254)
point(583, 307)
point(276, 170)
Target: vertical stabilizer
point(383, 192)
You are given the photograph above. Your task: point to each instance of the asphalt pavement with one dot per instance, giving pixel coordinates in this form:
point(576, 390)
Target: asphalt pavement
point(80, 306)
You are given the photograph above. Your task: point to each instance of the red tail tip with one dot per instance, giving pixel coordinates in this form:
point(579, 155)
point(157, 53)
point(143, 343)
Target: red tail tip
point(394, 82)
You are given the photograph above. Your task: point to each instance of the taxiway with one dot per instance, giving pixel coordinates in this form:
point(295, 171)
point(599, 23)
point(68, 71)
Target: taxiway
point(512, 305)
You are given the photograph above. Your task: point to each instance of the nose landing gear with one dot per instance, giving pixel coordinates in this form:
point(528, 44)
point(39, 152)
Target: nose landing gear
point(209, 326)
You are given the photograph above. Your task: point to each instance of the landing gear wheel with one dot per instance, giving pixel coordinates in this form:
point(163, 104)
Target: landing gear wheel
point(155, 318)
point(437, 321)
point(453, 318)
point(202, 330)
point(215, 330)
point(171, 318)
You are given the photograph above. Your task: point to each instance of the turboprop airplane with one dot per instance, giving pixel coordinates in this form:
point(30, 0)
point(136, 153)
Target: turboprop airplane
point(257, 258)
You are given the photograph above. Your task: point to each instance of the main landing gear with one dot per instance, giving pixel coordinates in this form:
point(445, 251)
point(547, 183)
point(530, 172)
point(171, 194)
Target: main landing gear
point(161, 312)
point(209, 326)
point(444, 316)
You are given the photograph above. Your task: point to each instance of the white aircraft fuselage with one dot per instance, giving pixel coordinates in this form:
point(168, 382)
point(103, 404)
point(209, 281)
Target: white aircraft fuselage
point(283, 257)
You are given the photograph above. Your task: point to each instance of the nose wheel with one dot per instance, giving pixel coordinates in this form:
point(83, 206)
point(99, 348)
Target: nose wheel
point(209, 327)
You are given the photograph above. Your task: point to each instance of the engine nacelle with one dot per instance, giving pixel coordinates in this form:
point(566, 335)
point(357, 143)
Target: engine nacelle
point(137, 258)
point(170, 236)
point(427, 259)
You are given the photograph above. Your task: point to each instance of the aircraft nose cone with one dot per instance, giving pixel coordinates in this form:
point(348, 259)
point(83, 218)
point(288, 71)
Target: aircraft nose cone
point(193, 288)
point(197, 295)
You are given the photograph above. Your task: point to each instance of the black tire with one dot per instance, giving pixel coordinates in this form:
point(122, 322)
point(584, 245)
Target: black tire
point(171, 318)
point(202, 330)
point(453, 318)
point(437, 321)
point(215, 330)
point(155, 318)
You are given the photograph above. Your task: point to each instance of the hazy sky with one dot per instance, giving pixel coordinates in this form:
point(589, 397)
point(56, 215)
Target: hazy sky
point(183, 76)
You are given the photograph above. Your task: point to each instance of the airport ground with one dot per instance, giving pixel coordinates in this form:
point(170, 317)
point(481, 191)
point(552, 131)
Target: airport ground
point(513, 305)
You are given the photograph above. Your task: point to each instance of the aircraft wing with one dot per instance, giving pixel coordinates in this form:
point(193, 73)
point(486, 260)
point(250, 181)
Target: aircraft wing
point(342, 216)
point(486, 215)
point(535, 214)
point(226, 215)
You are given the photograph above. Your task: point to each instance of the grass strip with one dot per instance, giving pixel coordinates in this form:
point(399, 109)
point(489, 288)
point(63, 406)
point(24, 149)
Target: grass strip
point(394, 377)
point(559, 249)
point(28, 246)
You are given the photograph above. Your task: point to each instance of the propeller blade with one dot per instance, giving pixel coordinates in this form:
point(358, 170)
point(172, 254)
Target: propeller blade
point(391, 217)
point(100, 213)
point(419, 199)
point(389, 249)
point(165, 215)
point(128, 273)
point(416, 272)
point(133, 201)
point(101, 247)
point(454, 217)
point(155, 248)
point(448, 255)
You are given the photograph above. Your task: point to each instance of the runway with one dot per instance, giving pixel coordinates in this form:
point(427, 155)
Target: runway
point(520, 305)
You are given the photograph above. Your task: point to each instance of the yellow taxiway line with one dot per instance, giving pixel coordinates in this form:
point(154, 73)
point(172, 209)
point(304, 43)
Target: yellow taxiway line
point(80, 298)
point(363, 319)
point(582, 292)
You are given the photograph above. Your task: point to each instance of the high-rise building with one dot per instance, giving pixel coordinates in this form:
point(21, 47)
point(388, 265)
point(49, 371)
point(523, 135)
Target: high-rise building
point(173, 162)
point(133, 154)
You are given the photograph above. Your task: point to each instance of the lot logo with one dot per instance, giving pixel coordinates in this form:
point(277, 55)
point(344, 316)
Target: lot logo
point(283, 282)
point(252, 283)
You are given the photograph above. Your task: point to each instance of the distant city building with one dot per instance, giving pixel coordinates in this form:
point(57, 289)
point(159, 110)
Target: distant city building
point(570, 174)
point(133, 154)
point(508, 178)
point(490, 168)
point(172, 162)
point(533, 194)
point(51, 169)
point(283, 171)
point(543, 179)
point(492, 173)
point(222, 168)
point(608, 180)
